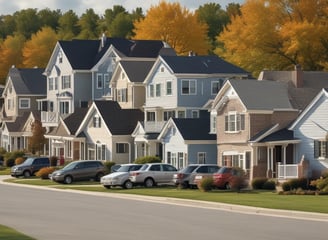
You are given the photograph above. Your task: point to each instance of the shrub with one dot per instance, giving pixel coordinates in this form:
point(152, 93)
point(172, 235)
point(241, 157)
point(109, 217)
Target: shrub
point(285, 186)
point(109, 165)
point(53, 160)
point(298, 183)
point(147, 159)
point(14, 155)
point(257, 183)
point(269, 185)
point(320, 184)
point(206, 184)
point(9, 162)
point(19, 160)
point(43, 173)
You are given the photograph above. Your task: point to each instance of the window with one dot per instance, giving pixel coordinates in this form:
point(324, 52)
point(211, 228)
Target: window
point(188, 87)
point(69, 149)
point(64, 107)
point(56, 83)
point(194, 114)
point(122, 95)
point(51, 84)
point(151, 90)
point(151, 116)
point(215, 87)
point(96, 122)
point(320, 149)
point(168, 158)
point(122, 148)
point(60, 57)
point(10, 104)
point(99, 81)
point(158, 90)
point(106, 81)
point(234, 122)
point(168, 115)
point(213, 123)
point(100, 151)
point(201, 157)
point(66, 82)
point(24, 103)
point(169, 88)
point(234, 160)
point(181, 114)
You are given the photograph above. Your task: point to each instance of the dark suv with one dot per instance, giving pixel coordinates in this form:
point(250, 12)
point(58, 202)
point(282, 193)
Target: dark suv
point(79, 170)
point(30, 166)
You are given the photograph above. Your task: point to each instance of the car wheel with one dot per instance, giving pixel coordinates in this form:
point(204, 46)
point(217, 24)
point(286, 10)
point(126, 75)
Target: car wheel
point(27, 174)
point(149, 182)
point(128, 184)
point(98, 176)
point(68, 179)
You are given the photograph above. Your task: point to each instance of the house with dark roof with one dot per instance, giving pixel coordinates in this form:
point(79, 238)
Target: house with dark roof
point(311, 128)
point(24, 86)
point(179, 87)
point(80, 71)
point(188, 141)
point(15, 134)
point(107, 129)
point(63, 140)
point(250, 118)
point(127, 82)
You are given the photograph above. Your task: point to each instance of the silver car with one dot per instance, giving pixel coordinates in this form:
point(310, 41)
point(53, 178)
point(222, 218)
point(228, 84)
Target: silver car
point(120, 177)
point(151, 174)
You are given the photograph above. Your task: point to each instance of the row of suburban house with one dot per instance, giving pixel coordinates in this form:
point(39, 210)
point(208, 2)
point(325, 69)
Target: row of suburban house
point(116, 99)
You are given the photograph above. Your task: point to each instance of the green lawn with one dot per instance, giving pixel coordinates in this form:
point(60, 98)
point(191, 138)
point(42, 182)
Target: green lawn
point(264, 199)
point(7, 233)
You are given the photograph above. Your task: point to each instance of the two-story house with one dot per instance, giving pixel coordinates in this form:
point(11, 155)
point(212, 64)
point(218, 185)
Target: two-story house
point(250, 119)
point(179, 87)
point(80, 71)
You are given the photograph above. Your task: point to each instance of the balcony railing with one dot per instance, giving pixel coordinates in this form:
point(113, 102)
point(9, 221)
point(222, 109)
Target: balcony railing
point(49, 117)
point(288, 171)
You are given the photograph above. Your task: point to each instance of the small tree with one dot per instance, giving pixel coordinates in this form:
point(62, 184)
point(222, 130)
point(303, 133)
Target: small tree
point(37, 140)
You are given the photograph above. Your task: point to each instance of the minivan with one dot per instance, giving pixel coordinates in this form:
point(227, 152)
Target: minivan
point(30, 166)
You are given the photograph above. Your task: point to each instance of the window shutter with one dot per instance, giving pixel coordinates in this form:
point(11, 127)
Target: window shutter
point(226, 123)
point(316, 148)
point(242, 121)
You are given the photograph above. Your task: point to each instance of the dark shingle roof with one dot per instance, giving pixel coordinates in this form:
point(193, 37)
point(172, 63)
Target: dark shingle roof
point(29, 81)
point(74, 120)
point(262, 95)
point(119, 121)
point(18, 125)
point(201, 64)
point(194, 128)
point(281, 135)
point(137, 70)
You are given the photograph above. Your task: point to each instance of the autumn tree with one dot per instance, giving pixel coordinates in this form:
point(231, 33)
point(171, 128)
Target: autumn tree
point(175, 25)
point(10, 54)
point(68, 26)
point(37, 140)
point(37, 51)
point(275, 34)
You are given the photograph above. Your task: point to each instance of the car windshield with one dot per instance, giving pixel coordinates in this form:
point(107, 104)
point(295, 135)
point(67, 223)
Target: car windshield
point(28, 161)
point(70, 166)
point(189, 169)
point(224, 170)
point(127, 168)
point(144, 167)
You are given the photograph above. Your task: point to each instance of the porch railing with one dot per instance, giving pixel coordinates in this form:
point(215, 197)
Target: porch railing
point(288, 171)
point(49, 117)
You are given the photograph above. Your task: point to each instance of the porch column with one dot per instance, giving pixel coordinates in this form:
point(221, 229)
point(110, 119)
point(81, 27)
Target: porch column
point(269, 161)
point(135, 150)
point(284, 158)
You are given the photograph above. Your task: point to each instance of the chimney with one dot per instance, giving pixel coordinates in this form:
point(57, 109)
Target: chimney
point(103, 40)
point(297, 76)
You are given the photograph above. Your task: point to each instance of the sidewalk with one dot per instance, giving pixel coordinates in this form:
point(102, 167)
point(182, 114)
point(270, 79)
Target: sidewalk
point(195, 203)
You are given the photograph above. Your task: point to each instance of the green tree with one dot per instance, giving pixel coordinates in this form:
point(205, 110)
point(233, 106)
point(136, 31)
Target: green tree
point(10, 54)
point(215, 18)
point(27, 22)
point(38, 50)
point(88, 23)
point(121, 26)
point(37, 140)
point(275, 34)
point(68, 26)
point(7, 26)
point(49, 18)
point(175, 25)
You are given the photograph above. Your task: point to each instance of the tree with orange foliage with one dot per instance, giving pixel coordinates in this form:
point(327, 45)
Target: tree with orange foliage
point(175, 25)
point(38, 50)
point(275, 34)
point(37, 140)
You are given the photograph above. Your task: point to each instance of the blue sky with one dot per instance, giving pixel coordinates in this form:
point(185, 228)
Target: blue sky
point(79, 6)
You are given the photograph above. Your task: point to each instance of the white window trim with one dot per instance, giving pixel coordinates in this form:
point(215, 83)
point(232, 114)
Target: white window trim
point(24, 99)
point(166, 93)
point(100, 80)
point(189, 80)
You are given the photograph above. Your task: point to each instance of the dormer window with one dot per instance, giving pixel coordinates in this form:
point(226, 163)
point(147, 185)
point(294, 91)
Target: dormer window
point(60, 57)
point(96, 121)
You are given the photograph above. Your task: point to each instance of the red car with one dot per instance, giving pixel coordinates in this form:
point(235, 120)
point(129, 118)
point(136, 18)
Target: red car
point(229, 177)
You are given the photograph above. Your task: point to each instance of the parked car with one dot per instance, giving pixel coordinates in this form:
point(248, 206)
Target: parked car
point(78, 171)
point(186, 176)
point(30, 166)
point(151, 174)
point(120, 177)
point(227, 176)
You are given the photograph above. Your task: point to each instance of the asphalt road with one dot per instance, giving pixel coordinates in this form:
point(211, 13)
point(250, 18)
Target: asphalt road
point(65, 215)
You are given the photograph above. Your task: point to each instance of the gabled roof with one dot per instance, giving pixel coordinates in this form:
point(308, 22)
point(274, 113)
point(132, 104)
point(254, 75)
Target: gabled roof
point(74, 120)
point(194, 128)
point(261, 95)
point(201, 65)
point(137, 70)
point(119, 121)
point(84, 54)
point(281, 135)
point(18, 124)
point(28, 81)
